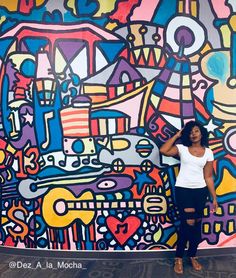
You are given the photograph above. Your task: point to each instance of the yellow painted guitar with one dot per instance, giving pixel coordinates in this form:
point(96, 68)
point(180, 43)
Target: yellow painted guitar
point(61, 207)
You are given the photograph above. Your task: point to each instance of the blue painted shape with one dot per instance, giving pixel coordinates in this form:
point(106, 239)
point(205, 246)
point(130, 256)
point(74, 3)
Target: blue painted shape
point(142, 216)
point(131, 243)
point(119, 248)
point(66, 100)
point(219, 22)
point(177, 67)
point(89, 246)
point(111, 49)
point(75, 79)
point(170, 63)
point(165, 10)
point(78, 146)
point(42, 242)
point(13, 19)
point(40, 226)
point(5, 45)
point(73, 92)
point(218, 66)
point(233, 54)
point(54, 17)
point(199, 117)
point(141, 179)
point(109, 197)
point(61, 236)
point(101, 21)
point(220, 154)
point(101, 220)
point(35, 44)
point(33, 187)
point(140, 130)
point(127, 195)
point(168, 232)
point(79, 246)
point(4, 106)
point(28, 68)
point(159, 88)
point(65, 85)
point(185, 68)
point(106, 113)
point(101, 245)
point(108, 236)
point(86, 7)
point(150, 147)
point(51, 171)
point(140, 231)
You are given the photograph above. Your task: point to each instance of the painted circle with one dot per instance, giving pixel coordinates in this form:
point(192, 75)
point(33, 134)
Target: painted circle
point(185, 25)
point(118, 165)
point(60, 207)
point(78, 146)
point(102, 245)
point(230, 141)
point(147, 166)
point(143, 30)
point(42, 242)
point(184, 36)
point(144, 148)
point(28, 68)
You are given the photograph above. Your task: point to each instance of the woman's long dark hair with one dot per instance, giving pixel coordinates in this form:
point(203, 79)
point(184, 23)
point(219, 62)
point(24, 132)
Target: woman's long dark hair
point(185, 137)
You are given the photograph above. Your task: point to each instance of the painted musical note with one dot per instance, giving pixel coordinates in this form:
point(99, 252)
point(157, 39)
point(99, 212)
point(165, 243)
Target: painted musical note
point(51, 159)
point(47, 117)
point(63, 162)
point(122, 228)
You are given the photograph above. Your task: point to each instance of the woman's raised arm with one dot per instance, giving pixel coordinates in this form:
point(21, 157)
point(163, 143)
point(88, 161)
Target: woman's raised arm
point(168, 148)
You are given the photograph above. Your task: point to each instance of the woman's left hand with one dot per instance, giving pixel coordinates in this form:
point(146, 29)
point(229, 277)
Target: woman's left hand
point(215, 205)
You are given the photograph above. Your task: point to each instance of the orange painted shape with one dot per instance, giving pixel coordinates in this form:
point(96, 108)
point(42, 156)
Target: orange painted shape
point(170, 107)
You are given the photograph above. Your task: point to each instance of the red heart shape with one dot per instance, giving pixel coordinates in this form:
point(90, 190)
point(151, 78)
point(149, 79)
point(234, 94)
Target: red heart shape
point(123, 230)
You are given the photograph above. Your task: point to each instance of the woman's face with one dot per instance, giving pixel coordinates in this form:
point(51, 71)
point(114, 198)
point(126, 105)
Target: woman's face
point(195, 135)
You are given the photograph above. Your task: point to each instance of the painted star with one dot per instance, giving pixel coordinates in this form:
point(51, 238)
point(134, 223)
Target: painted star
point(28, 118)
point(211, 126)
point(141, 179)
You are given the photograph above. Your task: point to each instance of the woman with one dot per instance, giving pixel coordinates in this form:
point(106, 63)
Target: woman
point(194, 180)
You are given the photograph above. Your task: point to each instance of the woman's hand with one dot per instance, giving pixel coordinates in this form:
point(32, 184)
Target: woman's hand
point(215, 205)
point(169, 148)
point(179, 133)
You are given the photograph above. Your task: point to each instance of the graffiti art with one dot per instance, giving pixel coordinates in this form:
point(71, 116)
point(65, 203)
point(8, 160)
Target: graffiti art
point(89, 91)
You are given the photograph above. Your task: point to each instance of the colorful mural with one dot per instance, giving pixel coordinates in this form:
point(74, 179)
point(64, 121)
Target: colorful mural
point(89, 91)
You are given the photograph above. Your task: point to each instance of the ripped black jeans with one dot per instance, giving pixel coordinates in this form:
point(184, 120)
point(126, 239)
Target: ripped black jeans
point(190, 203)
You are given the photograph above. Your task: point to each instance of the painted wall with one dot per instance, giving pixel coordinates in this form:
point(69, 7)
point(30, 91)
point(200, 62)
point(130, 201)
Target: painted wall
point(89, 92)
